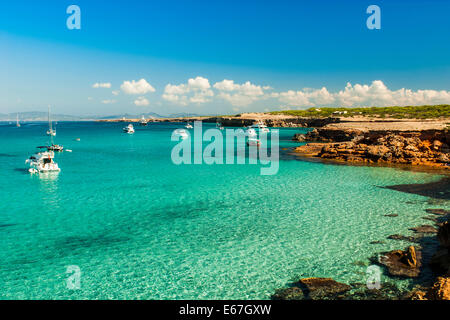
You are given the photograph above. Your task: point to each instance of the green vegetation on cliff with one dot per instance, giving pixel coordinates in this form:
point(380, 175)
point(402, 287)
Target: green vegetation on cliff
point(417, 112)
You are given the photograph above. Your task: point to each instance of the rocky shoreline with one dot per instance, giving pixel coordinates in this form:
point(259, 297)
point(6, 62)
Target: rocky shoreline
point(406, 147)
point(408, 263)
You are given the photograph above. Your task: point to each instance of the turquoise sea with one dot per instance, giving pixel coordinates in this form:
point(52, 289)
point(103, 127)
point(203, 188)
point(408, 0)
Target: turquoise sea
point(140, 227)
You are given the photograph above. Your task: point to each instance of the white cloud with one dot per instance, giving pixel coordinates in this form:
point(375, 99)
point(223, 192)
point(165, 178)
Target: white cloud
point(375, 94)
point(115, 92)
point(240, 94)
point(196, 90)
point(141, 101)
point(137, 87)
point(108, 101)
point(101, 85)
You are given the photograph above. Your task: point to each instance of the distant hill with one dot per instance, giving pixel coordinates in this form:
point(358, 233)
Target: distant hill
point(39, 116)
point(43, 116)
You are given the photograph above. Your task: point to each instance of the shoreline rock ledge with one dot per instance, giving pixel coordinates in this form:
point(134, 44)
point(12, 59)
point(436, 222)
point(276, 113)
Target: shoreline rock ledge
point(419, 147)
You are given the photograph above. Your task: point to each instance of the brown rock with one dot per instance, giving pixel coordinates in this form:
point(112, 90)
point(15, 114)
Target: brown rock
point(439, 212)
point(436, 145)
point(322, 288)
point(410, 257)
point(441, 289)
point(402, 263)
point(417, 295)
point(424, 229)
point(403, 238)
point(294, 293)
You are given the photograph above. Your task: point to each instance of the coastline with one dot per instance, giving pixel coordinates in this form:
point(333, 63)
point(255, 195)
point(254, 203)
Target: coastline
point(364, 144)
point(426, 260)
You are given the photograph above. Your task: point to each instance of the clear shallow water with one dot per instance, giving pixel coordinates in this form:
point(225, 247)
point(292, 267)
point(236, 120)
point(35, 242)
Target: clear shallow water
point(140, 227)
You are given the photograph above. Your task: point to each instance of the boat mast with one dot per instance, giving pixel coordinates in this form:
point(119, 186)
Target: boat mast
point(49, 121)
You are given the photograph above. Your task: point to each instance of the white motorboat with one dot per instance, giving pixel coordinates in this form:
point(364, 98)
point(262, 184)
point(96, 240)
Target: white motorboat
point(188, 126)
point(260, 127)
point(182, 133)
point(50, 131)
point(42, 162)
point(129, 129)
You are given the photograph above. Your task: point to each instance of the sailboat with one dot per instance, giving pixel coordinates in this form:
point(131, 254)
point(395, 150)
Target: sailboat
point(143, 121)
point(50, 131)
point(17, 121)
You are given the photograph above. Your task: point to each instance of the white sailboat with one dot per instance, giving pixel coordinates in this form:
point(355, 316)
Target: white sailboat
point(17, 121)
point(50, 131)
point(143, 121)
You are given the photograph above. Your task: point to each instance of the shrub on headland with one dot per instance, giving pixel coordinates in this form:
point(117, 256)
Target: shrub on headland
point(407, 112)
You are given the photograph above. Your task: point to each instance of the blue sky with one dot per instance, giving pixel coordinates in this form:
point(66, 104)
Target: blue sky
point(278, 55)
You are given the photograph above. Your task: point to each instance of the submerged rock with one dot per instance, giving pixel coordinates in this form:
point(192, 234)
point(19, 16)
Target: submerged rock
point(403, 238)
point(322, 288)
point(439, 212)
point(402, 263)
point(392, 215)
point(424, 229)
point(313, 289)
point(294, 293)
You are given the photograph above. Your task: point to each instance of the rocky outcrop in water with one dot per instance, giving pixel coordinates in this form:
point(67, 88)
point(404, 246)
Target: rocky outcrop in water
point(401, 263)
point(428, 147)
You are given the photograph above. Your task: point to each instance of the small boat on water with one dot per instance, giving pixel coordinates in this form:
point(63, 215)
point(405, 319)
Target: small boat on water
point(129, 129)
point(17, 121)
point(42, 161)
point(143, 121)
point(182, 133)
point(188, 126)
point(260, 127)
point(50, 131)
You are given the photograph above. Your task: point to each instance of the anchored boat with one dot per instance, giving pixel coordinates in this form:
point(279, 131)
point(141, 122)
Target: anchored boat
point(50, 131)
point(129, 129)
point(42, 161)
